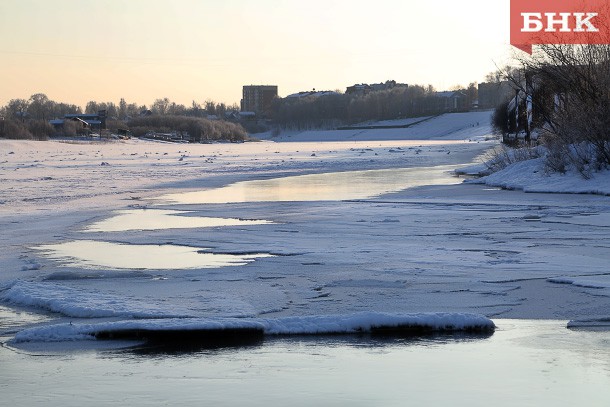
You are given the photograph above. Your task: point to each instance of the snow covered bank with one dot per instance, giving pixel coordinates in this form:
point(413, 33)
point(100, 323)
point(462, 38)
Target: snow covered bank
point(530, 176)
point(474, 126)
point(373, 323)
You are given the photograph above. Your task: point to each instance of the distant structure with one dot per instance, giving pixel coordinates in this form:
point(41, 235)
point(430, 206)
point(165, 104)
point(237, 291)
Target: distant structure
point(258, 98)
point(451, 101)
point(312, 93)
point(363, 88)
point(358, 89)
point(94, 121)
point(493, 94)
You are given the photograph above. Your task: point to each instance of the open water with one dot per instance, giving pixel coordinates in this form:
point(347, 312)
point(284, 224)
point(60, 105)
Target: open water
point(524, 363)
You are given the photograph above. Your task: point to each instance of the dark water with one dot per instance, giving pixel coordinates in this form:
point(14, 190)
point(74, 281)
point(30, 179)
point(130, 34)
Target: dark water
point(524, 363)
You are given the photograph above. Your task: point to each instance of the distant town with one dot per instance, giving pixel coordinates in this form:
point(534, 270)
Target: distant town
point(259, 99)
point(261, 109)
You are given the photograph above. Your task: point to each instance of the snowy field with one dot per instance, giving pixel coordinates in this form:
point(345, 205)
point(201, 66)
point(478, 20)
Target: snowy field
point(145, 233)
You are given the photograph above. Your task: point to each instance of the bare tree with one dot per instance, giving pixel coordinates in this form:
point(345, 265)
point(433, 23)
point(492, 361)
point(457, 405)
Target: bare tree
point(568, 86)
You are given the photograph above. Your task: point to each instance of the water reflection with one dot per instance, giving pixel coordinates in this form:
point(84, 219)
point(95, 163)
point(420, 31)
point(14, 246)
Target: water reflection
point(99, 254)
point(12, 319)
point(193, 343)
point(332, 186)
point(154, 219)
point(533, 363)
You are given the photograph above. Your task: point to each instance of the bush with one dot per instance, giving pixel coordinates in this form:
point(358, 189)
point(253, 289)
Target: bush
point(499, 120)
point(16, 130)
point(71, 129)
point(555, 160)
point(254, 127)
point(569, 87)
point(199, 129)
point(40, 129)
point(503, 156)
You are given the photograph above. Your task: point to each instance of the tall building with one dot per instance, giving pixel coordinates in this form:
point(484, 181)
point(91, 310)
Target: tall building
point(258, 98)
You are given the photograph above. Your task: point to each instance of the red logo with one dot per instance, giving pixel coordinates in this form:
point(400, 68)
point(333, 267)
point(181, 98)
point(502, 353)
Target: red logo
point(558, 22)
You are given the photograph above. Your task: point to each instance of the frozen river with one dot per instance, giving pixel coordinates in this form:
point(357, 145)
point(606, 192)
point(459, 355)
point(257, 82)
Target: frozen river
point(249, 232)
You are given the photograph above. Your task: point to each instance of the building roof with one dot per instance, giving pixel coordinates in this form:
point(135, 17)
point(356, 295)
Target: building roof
point(82, 116)
point(313, 93)
point(450, 94)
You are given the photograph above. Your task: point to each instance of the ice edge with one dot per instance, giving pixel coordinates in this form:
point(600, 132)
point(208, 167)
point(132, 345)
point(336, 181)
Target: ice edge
point(226, 328)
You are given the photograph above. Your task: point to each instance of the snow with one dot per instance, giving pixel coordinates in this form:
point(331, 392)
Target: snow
point(396, 122)
point(310, 325)
point(453, 126)
point(78, 303)
point(530, 176)
point(418, 248)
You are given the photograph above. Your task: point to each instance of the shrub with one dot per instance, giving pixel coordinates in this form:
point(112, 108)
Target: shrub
point(71, 128)
point(199, 129)
point(16, 130)
point(569, 87)
point(503, 156)
point(40, 129)
point(499, 119)
point(254, 127)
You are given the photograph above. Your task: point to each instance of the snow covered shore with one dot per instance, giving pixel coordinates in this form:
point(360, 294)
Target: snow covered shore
point(530, 176)
point(426, 244)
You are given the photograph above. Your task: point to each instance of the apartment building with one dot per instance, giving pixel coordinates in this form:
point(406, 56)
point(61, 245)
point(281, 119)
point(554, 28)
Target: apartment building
point(258, 98)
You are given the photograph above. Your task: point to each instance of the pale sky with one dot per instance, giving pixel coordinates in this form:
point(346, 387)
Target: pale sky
point(80, 50)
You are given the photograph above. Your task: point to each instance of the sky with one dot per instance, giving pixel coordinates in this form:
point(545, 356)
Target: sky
point(75, 51)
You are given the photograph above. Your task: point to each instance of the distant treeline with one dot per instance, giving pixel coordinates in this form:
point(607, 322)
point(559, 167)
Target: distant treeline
point(339, 109)
point(29, 119)
point(198, 129)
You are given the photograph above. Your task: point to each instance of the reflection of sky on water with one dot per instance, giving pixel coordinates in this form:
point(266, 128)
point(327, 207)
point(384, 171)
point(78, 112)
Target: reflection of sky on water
point(97, 254)
point(151, 219)
point(333, 186)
